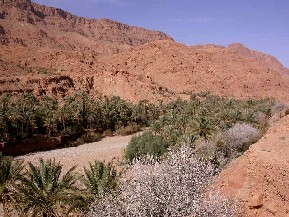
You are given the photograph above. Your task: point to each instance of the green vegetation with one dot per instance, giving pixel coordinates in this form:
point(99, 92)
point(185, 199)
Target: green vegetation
point(128, 130)
point(202, 116)
point(10, 173)
point(146, 144)
point(45, 191)
point(210, 125)
point(214, 130)
point(43, 71)
point(218, 128)
point(25, 115)
point(100, 178)
point(204, 119)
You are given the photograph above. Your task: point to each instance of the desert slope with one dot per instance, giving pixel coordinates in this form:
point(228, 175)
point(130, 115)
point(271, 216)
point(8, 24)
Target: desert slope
point(259, 178)
point(174, 69)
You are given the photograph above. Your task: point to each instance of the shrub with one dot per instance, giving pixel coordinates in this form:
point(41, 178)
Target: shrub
point(278, 107)
point(145, 144)
point(235, 141)
point(172, 187)
point(89, 137)
point(107, 132)
point(227, 145)
point(128, 130)
point(42, 71)
point(241, 136)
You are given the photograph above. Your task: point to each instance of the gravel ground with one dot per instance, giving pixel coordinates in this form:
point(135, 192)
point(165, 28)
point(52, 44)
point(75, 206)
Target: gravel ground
point(107, 149)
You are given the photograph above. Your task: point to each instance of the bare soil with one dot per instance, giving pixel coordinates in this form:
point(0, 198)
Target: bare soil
point(107, 149)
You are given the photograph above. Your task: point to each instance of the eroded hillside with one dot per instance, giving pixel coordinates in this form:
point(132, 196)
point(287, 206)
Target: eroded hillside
point(48, 51)
point(259, 178)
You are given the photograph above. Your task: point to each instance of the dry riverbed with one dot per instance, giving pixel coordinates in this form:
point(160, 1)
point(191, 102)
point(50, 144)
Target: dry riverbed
point(107, 149)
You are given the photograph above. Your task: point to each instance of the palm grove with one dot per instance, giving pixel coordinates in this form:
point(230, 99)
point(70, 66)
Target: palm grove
point(213, 130)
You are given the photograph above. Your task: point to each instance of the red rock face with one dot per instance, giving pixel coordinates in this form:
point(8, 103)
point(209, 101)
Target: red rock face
point(112, 58)
point(63, 30)
point(260, 58)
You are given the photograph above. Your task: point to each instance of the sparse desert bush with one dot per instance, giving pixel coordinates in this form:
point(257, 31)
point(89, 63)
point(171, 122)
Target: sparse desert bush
point(89, 137)
point(241, 136)
point(107, 132)
point(145, 144)
point(127, 130)
point(175, 186)
point(217, 205)
point(234, 142)
point(228, 144)
point(278, 107)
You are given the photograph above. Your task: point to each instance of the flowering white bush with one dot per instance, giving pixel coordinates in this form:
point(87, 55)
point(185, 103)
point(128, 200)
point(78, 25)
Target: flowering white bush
point(174, 186)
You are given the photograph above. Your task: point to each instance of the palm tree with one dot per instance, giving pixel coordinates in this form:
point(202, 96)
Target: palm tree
point(44, 192)
point(100, 178)
point(10, 173)
point(4, 117)
point(46, 117)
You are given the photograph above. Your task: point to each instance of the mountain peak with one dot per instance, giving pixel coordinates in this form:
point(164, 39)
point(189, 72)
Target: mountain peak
point(236, 46)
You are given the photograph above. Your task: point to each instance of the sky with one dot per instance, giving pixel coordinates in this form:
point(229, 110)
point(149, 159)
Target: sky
point(261, 25)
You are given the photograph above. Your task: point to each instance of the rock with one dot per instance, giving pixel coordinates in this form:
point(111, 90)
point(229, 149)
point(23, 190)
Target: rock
point(256, 201)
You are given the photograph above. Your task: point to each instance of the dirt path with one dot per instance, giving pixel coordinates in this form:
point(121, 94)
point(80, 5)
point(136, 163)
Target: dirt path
point(106, 149)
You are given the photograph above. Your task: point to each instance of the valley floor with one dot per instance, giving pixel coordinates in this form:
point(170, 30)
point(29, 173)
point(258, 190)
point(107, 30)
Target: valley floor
point(106, 149)
point(259, 178)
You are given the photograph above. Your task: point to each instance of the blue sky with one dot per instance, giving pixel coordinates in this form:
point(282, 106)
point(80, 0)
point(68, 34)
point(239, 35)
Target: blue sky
point(258, 24)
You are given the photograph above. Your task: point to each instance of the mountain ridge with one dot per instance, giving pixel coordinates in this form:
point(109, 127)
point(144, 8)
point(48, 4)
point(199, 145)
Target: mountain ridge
point(30, 24)
point(48, 51)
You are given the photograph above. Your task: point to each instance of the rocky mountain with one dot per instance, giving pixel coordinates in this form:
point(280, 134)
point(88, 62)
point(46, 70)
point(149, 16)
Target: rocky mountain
point(48, 51)
point(171, 69)
point(32, 25)
point(260, 58)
